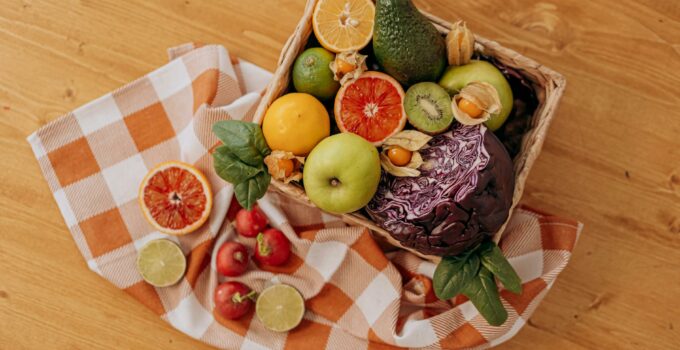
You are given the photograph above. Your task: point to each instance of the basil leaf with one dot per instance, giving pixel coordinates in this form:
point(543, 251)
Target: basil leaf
point(483, 293)
point(232, 169)
point(494, 261)
point(452, 274)
point(249, 191)
point(243, 139)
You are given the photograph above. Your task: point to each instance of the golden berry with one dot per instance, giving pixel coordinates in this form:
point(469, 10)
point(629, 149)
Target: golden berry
point(399, 156)
point(469, 108)
point(287, 166)
point(343, 66)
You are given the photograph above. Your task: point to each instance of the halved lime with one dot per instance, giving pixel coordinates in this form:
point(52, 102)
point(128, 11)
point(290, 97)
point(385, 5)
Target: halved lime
point(280, 307)
point(161, 263)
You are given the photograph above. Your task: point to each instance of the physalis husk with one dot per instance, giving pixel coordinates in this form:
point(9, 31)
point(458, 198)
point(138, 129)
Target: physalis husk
point(284, 166)
point(411, 140)
point(348, 66)
point(475, 103)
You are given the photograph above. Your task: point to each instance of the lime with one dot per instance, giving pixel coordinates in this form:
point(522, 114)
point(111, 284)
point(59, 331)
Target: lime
point(312, 73)
point(161, 263)
point(280, 307)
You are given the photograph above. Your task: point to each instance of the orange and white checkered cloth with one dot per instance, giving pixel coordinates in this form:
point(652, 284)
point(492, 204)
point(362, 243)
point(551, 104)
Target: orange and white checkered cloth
point(357, 297)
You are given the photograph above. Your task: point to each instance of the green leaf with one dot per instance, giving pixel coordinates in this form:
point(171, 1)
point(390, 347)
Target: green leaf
point(483, 293)
point(232, 169)
point(244, 140)
point(494, 261)
point(248, 192)
point(453, 273)
point(240, 160)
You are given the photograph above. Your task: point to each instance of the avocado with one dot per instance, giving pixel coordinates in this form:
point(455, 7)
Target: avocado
point(457, 77)
point(406, 44)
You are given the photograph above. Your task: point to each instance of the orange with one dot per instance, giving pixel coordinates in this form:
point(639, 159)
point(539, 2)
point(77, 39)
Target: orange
point(175, 198)
point(371, 107)
point(343, 25)
point(295, 123)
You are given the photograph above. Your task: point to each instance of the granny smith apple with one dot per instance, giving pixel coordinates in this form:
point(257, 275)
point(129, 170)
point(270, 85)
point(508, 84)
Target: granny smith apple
point(342, 172)
point(456, 77)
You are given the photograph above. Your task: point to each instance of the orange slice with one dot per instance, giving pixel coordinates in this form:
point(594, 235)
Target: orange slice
point(343, 25)
point(175, 197)
point(371, 107)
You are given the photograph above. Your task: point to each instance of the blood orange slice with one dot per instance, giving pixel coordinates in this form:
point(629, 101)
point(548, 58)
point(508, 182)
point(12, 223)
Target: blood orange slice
point(371, 107)
point(175, 197)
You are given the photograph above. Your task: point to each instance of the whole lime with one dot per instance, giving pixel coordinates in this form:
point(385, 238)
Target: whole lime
point(312, 73)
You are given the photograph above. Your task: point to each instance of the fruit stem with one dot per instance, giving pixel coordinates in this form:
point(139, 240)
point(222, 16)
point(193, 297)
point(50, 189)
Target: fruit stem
point(335, 182)
point(251, 295)
point(238, 256)
point(237, 298)
point(262, 246)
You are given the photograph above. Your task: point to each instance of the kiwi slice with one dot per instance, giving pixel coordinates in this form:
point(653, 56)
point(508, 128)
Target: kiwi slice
point(428, 107)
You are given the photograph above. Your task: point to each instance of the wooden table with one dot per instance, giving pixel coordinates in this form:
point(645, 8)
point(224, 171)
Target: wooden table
point(612, 158)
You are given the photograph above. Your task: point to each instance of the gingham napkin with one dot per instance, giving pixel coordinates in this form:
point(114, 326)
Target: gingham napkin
point(357, 297)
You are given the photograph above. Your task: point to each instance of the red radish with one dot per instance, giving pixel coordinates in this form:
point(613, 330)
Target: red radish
point(233, 299)
point(232, 259)
point(272, 248)
point(250, 223)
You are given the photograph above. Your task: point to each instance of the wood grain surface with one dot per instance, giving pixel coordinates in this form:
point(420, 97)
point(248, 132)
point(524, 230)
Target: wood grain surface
point(611, 160)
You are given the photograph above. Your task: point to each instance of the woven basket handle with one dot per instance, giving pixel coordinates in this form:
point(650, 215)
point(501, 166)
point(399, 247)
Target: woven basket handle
point(289, 43)
point(286, 47)
point(288, 54)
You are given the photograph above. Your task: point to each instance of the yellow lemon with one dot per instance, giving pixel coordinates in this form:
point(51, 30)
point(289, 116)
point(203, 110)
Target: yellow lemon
point(295, 122)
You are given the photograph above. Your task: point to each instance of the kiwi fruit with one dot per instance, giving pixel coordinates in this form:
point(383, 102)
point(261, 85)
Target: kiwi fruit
point(428, 107)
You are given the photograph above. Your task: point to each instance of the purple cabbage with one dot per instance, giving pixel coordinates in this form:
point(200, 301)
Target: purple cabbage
point(463, 194)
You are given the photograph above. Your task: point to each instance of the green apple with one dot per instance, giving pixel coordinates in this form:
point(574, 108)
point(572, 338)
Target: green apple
point(342, 172)
point(456, 77)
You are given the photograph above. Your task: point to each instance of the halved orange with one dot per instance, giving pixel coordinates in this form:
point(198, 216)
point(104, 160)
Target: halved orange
point(175, 197)
point(371, 107)
point(343, 25)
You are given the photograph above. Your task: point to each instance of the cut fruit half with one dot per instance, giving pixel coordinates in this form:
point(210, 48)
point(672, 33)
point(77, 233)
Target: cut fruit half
point(175, 197)
point(371, 107)
point(280, 307)
point(428, 107)
point(343, 25)
point(161, 263)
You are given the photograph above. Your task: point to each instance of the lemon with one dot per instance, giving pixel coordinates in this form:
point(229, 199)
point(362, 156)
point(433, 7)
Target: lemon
point(295, 122)
point(280, 307)
point(161, 263)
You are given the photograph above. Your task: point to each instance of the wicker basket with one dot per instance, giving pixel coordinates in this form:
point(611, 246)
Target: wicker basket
point(548, 85)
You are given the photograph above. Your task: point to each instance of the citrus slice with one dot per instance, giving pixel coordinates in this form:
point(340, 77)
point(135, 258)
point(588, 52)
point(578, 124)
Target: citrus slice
point(343, 25)
point(280, 307)
point(161, 263)
point(371, 107)
point(175, 198)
